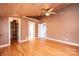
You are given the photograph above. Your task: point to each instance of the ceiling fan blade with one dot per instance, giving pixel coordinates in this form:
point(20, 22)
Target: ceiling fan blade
point(43, 11)
point(51, 9)
point(52, 12)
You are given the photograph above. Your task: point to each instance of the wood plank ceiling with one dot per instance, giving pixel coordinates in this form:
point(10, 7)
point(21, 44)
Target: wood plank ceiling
point(24, 9)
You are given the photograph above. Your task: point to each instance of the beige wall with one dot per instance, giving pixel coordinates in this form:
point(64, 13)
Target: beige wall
point(64, 26)
point(24, 29)
point(4, 38)
point(36, 29)
point(4, 29)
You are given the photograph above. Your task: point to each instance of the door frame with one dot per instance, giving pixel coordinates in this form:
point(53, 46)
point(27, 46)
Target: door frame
point(29, 30)
point(19, 27)
point(39, 31)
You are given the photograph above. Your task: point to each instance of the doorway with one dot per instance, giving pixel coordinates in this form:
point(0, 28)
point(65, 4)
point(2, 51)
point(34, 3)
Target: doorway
point(14, 30)
point(31, 30)
point(42, 30)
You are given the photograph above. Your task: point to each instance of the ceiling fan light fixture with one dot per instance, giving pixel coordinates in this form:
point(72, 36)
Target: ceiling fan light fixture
point(47, 14)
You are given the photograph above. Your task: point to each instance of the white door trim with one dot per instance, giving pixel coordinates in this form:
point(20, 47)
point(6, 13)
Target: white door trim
point(29, 30)
point(39, 30)
point(19, 26)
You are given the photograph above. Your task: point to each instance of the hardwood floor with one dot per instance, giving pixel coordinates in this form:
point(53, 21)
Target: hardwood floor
point(39, 47)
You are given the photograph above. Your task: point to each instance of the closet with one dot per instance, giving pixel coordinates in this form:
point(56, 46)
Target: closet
point(14, 30)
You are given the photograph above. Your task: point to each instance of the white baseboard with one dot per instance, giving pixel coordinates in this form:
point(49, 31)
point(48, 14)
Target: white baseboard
point(70, 43)
point(22, 41)
point(6, 45)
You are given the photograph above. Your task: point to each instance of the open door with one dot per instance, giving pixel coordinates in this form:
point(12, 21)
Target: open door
point(31, 30)
point(42, 30)
point(14, 30)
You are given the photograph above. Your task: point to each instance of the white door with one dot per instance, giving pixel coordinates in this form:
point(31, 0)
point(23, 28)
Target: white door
point(31, 30)
point(42, 30)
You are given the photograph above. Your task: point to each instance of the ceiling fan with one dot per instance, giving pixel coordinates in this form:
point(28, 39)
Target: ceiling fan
point(48, 12)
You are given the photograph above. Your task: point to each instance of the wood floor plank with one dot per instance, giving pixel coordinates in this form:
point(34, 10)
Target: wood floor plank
point(39, 47)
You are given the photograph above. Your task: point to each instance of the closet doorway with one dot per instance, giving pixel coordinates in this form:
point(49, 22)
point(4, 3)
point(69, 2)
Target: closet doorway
point(14, 30)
